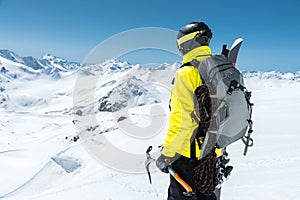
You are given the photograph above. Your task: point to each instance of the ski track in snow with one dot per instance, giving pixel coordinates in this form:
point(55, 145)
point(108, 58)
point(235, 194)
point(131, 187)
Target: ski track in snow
point(40, 161)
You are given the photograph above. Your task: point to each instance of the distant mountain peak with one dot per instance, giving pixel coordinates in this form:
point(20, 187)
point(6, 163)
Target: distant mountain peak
point(51, 57)
point(10, 55)
point(115, 64)
point(48, 64)
point(273, 75)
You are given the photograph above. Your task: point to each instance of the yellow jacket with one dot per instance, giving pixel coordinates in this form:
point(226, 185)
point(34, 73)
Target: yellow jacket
point(181, 124)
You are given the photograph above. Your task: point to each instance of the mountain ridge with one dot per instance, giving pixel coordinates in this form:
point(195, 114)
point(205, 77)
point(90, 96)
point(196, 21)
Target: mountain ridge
point(46, 63)
point(51, 64)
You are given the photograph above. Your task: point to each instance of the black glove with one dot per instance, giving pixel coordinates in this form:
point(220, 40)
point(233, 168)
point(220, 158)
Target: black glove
point(162, 163)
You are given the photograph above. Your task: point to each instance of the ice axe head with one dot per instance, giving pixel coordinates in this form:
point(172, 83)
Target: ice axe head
point(149, 149)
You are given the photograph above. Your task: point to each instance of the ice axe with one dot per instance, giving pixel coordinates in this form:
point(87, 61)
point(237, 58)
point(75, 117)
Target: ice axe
point(189, 191)
point(148, 162)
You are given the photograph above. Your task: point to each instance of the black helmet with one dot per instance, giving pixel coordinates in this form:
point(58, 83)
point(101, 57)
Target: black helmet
point(193, 35)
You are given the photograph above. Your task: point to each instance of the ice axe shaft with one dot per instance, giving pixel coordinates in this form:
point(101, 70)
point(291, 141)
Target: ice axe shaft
point(148, 161)
point(189, 191)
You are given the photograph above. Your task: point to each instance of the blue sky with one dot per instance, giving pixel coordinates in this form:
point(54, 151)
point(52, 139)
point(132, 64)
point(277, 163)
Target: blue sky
point(72, 28)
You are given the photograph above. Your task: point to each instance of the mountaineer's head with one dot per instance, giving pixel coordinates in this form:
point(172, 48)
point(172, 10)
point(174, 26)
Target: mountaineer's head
point(193, 40)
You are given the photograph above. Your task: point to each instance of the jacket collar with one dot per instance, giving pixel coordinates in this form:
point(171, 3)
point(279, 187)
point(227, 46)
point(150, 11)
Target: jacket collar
point(200, 53)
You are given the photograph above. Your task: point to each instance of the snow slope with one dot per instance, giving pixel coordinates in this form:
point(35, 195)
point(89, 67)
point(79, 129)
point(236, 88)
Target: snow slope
point(41, 156)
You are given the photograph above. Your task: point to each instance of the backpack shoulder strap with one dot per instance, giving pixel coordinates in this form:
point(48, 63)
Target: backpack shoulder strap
point(186, 64)
point(183, 65)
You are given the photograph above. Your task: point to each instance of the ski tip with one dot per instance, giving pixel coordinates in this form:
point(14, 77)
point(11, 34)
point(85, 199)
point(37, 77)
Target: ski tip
point(236, 42)
point(239, 40)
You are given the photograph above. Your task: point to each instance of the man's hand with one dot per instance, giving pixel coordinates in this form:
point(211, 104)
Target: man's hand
point(162, 163)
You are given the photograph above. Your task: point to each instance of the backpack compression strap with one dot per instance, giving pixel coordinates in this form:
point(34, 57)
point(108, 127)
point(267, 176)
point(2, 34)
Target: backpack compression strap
point(248, 141)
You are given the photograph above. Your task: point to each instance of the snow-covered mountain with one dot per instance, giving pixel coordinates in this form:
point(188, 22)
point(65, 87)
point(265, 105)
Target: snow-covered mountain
point(48, 64)
point(123, 85)
point(134, 87)
point(131, 92)
point(43, 156)
point(273, 75)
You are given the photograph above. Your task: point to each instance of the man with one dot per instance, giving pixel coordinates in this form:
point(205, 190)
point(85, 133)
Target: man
point(180, 149)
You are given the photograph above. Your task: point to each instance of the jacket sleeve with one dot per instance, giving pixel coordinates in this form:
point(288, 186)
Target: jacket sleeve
point(181, 125)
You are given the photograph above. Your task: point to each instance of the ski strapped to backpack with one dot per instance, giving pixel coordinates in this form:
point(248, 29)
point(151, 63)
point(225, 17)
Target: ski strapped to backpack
point(222, 104)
